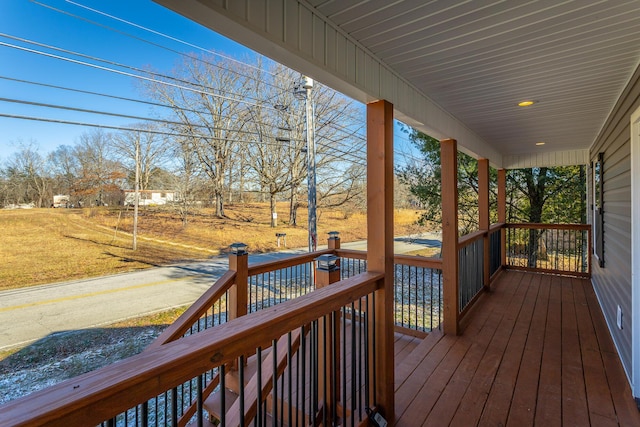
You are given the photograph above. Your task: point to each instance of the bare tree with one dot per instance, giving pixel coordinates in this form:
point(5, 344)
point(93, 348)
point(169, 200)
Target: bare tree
point(64, 168)
point(246, 128)
point(268, 158)
point(153, 149)
point(207, 104)
point(28, 176)
point(99, 173)
point(279, 157)
point(187, 179)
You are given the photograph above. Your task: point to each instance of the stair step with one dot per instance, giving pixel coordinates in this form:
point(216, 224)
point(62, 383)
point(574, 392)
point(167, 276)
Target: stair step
point(205, 423)
point(212, 406)
point(251, 367)
point(213, 403)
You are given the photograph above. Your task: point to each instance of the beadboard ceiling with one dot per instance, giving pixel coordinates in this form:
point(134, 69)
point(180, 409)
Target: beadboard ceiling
point(478, 59)
point(474, 60)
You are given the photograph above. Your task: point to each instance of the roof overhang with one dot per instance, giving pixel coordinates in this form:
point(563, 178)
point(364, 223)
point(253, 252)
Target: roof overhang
point(456, 69)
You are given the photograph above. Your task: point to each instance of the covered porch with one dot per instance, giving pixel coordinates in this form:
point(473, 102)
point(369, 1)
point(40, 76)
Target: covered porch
point(508, 347)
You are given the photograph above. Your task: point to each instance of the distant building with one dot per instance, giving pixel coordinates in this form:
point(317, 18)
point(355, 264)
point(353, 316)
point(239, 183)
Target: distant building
point(149, 197)
point(61, 201)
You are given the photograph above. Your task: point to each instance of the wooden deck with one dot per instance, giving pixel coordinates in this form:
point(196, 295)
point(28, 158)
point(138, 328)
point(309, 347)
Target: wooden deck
point(535, 351)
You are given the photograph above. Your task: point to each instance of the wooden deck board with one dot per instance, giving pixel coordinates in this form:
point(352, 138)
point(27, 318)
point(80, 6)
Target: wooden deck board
point(525, 394)
point(536, 351)
point(549, 404)
point(498, 403)
point(574, 399)
point(473, 402)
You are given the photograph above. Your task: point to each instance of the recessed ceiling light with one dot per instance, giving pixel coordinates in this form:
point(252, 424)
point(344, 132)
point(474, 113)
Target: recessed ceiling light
point(540, 143)
point(525, 103)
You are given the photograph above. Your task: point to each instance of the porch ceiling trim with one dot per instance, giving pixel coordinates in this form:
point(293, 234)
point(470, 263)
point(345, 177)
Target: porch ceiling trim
point(295, 34)
point(546, 159)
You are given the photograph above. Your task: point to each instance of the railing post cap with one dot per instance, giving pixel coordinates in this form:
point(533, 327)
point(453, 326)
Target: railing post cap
point(238, 248)
point(327, 262)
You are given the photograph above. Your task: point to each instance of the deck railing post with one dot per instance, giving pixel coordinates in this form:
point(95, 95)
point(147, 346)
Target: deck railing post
point(450, 285)
point(484, 218)
point(333, 242)
point(238, 294)
point(328, 272)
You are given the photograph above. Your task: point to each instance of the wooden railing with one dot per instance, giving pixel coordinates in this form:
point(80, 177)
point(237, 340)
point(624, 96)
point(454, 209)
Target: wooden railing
point(548, 248)
point(417, 289)
point(272, 282)
point(127, 386)
point(471, 266)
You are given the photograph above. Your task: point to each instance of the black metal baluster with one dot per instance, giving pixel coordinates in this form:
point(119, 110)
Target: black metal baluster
point(259, 414)
point(200, 408)
point(274, 380)
point(289, 378)
point(144, 414)
point(241, 386)
point(367, 402)
point(315, 372)
point(223, 393)
point(302, 376)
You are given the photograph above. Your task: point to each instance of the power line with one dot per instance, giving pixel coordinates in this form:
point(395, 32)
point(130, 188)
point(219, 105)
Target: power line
point(146, 130)
point(126, 116)
point(125, 73)
point(183, 54)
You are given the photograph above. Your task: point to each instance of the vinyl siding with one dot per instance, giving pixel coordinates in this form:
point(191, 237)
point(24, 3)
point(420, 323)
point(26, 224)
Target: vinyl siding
point(613, 282)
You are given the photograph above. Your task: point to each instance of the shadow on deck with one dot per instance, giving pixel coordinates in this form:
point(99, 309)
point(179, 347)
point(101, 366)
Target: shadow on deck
point(536, 351)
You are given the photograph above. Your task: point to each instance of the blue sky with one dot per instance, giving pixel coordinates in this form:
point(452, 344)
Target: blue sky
point(73, 26)
point(96, 28)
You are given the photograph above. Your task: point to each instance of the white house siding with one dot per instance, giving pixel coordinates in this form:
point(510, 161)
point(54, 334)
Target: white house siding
point(613, 282)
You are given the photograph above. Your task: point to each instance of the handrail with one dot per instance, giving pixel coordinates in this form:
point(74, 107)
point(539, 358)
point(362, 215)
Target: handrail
point(542, 226)
point(267, 266)
point(99, 395)
point(468, 239)
point(496, 226)
point(222, 285)
point(351, 253)
point(419, 261)
point(412, 260)
point(194, 312)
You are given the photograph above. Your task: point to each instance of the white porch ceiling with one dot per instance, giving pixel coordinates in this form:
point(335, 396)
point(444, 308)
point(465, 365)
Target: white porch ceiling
point(474, 60)
point(477, 59)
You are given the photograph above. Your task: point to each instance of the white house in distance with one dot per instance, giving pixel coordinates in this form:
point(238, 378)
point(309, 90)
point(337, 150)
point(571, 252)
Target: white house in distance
point(149, 197)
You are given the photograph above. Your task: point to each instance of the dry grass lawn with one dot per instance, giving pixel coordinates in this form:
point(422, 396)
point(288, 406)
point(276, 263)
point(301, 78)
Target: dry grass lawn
point(51, 245)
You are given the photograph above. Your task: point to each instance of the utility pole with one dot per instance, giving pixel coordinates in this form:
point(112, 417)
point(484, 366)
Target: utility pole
point(136, 195)
point(307, 85)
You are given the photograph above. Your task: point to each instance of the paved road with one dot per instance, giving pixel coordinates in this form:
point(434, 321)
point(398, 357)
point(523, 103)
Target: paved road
point(30, 314)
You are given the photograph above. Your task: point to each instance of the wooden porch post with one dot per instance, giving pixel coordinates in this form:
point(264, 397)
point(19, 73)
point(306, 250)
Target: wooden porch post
point(484, 217)
point(449, 168)
point(380, 247)
point(502, 212)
